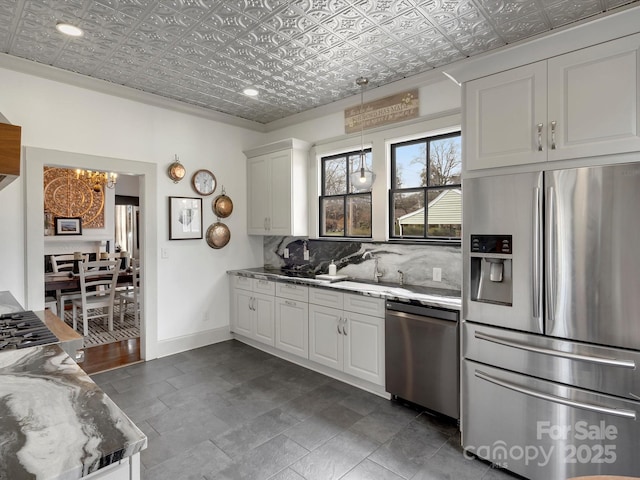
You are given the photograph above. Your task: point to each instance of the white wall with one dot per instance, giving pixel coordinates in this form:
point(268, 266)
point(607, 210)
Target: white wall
point(192, 294)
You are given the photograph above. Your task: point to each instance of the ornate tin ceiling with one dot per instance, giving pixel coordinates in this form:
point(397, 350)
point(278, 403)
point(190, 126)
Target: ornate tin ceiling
point(299, 54)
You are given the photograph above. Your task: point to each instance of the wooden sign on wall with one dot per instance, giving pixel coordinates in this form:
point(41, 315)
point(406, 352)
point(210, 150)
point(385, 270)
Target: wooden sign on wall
point(65, 195)
point(392, 109)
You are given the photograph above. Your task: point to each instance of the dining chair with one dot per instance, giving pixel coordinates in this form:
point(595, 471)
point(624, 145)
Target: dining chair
point(98, 280)
point(131, 296)
point(64, 263)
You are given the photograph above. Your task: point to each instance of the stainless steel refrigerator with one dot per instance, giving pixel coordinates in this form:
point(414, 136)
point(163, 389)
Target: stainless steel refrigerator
point(551, 321)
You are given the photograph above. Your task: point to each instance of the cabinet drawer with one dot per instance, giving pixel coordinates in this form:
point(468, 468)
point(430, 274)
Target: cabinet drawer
point(292, 291)
point(264, 286)
point(327, 298)
point(365, 305)
point(244, 283)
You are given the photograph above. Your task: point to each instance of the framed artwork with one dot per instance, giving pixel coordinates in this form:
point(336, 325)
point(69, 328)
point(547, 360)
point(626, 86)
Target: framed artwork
point(185, 218)
point(68, 226)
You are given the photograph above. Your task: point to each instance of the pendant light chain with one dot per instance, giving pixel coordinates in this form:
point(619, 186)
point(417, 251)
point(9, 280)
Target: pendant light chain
point(362, 82)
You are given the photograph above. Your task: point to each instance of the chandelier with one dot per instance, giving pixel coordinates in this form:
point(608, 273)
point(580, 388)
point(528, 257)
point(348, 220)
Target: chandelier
point(362, 178)
point(97, 179)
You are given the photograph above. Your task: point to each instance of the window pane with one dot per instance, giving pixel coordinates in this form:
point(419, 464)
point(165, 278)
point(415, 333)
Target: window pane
point(359, 215)
point(408, 214)
point(411, 165)
point(335, 176)
point(444, 212)
point(332, 212)
point(354, 165)
point(445, 161)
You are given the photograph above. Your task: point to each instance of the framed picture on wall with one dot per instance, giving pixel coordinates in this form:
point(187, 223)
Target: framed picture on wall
point(185, 218)
point(68, 226)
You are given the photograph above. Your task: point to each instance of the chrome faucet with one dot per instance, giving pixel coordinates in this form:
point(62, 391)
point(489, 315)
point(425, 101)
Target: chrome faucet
point(376, 273)
point(401, 275)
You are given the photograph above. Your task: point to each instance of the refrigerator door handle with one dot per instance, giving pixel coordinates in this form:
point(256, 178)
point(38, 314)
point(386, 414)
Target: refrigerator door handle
point(536, 267)
point(619, 412)
point(613, 362)
point(550, 255)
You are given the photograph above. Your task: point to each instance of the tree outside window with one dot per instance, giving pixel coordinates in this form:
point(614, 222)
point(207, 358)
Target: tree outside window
point(345, 211)
point(426, 193)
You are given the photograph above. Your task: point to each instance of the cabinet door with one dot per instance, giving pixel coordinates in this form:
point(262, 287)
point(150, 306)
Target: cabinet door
point(243, 318)
point(594, 100)
point(265, 321)
point(279, 222)
point(502, 115)
point(325, 336)
point(292, 327)
point(259, 199)
point(364, 347)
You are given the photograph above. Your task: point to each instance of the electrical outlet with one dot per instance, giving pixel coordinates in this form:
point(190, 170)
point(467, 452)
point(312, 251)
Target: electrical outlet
point(437, 274)
point(306, 254)
point(205, 316)
point(286, 253)
point(164, 253)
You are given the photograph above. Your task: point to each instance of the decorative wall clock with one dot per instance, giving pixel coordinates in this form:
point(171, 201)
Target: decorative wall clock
point(204, 182)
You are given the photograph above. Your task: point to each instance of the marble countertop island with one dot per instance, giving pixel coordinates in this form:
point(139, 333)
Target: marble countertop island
point(55, 422)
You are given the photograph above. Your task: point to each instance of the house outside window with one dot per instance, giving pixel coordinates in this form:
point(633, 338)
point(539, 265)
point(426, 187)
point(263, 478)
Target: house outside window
point(345, 210)
point(425, 200)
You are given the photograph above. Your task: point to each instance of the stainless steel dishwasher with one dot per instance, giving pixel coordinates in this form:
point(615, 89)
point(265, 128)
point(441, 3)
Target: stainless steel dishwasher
point(422, 357)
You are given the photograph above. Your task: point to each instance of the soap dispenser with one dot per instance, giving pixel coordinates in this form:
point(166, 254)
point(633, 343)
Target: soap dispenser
point(332, 268)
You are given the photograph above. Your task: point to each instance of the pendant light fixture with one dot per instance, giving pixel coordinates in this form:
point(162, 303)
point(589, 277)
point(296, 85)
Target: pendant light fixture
point(362, 178)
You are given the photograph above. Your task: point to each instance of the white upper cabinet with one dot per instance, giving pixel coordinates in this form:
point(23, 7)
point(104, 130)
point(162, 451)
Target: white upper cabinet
point(594, 100)
point(277, 189)
point(581, 104)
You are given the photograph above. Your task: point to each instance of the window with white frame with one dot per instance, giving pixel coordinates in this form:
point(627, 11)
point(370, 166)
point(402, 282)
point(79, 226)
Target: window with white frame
point(425, 199)
point(345, 209)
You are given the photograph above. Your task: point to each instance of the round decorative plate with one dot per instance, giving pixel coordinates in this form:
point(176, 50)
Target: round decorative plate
point(218, 235)
point(204, 182)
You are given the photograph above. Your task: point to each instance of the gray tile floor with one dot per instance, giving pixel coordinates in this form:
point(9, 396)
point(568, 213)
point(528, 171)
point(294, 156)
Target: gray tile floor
point(229, 411)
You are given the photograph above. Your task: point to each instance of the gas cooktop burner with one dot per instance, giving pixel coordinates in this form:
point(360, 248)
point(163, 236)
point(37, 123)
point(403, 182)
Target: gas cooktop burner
point(22, 330)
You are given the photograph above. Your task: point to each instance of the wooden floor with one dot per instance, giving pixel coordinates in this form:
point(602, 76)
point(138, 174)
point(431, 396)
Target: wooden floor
point(111, 355)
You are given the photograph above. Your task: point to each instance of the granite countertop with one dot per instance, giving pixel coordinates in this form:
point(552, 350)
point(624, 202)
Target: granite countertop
point(55, 422)
point(434, 297)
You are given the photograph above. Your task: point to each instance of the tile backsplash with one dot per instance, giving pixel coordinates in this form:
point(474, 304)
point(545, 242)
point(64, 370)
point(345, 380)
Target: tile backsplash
point(416, 262)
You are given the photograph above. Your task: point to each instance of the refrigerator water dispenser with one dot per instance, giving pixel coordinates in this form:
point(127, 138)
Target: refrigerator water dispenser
point(491, 269)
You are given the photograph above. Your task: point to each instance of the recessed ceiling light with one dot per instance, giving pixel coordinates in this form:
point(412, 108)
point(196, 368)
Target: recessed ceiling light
point(69, 29)
point(250, 92)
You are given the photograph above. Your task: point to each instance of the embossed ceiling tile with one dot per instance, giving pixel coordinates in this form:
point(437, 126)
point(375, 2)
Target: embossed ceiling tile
point(169, 20)
point(102, 17)
point(503, 11)
point(190, 51)
point(257, 9)
point(208, 36)
point(403, 27)
point(291, 53)
point(522, 28)
point(112, 74)
point(444, 55)
point(617, 3)
point(479, 42)
point(230, 22)
point(264, 39)
point(195, 9)
point(63, 9)
point(568, 11)
point(131, 46)
point(319, 10)
point(155, 37)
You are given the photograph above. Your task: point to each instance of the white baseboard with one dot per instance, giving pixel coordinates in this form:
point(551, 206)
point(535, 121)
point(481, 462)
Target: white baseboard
point(195, 340)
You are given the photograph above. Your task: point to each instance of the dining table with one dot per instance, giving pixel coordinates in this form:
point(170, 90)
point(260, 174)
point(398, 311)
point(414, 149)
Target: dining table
point(71, 281)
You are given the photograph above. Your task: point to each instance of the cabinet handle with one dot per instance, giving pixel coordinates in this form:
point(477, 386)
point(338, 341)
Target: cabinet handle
point(253, 304)
point(344, 326)
point(293, 304)
point(553, 135)
point(265, 223)
point(268, 223)
point(539, 137)
point(339, 332)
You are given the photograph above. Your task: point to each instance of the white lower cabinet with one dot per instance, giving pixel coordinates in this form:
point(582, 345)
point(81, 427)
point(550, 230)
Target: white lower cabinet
point(252, 312)
point(126, 469)
point(292, 319)
point(349, 338)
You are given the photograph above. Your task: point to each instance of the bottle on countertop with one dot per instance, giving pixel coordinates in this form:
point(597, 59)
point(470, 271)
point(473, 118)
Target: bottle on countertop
point(332, 268)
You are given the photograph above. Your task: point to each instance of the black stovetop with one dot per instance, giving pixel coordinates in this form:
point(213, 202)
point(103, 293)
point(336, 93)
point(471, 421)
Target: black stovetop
point(22, 330)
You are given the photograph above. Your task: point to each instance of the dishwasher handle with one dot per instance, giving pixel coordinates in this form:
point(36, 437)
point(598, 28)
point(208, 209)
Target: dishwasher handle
point(422, 311)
